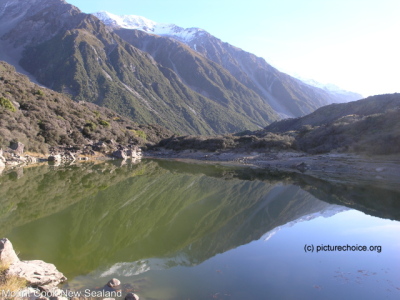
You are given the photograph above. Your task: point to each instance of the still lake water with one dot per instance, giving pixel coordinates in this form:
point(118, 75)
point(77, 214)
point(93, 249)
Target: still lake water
point(172, 230)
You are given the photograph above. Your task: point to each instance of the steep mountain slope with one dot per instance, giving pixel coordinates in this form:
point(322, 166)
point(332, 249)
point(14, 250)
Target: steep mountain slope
point(199, 73)
point(75, 53)
point(288, 96)
point(39, 118)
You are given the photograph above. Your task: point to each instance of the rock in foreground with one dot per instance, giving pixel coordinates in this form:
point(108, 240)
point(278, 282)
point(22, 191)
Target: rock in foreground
point(36, 272)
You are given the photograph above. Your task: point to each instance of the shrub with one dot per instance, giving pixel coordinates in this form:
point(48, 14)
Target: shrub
point(7, 104)
point(39, 93)
point(104, 123)
point(140, 133)
point(90, 126)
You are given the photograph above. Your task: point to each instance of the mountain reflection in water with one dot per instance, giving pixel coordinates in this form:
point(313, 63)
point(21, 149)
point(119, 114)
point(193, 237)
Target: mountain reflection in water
point(110, 218)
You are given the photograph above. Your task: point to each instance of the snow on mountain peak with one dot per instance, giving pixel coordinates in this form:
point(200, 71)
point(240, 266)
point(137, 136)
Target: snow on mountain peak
point(149, 26)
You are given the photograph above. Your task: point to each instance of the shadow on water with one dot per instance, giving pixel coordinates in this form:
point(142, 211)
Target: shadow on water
point(92, 215)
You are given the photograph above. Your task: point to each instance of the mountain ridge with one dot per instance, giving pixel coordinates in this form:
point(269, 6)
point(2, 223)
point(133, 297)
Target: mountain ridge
point(91, 63)
point(287, 95)
point(214, 89)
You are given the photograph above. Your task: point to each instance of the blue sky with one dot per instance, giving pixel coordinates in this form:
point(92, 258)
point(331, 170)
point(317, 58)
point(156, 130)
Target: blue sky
point(351, 43)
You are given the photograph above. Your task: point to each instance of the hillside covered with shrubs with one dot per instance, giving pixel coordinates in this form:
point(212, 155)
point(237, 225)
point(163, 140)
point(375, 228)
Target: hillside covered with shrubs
point(369, 126)
point(41, 118)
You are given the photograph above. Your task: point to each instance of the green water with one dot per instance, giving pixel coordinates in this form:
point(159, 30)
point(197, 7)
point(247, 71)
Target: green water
point(172, 230)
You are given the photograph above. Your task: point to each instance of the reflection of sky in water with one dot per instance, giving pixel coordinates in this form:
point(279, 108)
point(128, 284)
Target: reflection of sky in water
point(280, 269)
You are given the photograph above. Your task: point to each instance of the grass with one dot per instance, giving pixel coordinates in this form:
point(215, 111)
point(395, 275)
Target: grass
point(10, 283)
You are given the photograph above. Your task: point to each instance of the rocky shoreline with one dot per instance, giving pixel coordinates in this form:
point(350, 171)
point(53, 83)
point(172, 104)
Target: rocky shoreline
point(382, 170)
point(14, 156)
point(40, 280)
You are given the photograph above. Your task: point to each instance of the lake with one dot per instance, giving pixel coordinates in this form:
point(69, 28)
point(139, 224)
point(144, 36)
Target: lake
point(175, 230)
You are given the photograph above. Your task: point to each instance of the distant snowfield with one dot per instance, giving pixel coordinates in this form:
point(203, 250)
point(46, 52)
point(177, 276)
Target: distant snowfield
point(141, 23)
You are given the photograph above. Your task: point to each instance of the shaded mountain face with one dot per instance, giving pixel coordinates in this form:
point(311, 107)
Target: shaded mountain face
point(74, 53)
point(288, 96)
point(370, 125)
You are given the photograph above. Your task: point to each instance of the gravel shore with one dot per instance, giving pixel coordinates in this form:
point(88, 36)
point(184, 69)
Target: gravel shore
point(383, 171)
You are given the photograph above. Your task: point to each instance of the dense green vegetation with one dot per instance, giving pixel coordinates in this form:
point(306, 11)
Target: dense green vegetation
point(40, 118)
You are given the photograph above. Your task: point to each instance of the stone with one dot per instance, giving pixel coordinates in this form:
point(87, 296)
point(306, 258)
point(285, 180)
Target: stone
point(7, 253)
point(302, 167)
point(51, 291)
point(131, 296)
point(17, 147)
point(31, 159)
point(119, 154)
point(37, 273)
point(131, 153)
point(114, 282)
point(55, 158)
point(134, 152)
point(100, 146)
point(380, 169)
point(69, 156)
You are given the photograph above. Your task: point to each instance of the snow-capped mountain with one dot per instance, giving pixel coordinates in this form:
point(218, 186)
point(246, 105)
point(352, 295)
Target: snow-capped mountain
point(185, 35)
point(288, 96)
point(342, 95)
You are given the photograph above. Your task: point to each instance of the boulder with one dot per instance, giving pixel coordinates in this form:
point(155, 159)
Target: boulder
point(100, 146)
point(119, 154)
point(31, 159)
point(55, 158)
point(130, 153)
point(69, 156)
point(114, 283)
point(302, 167)
point(37, 273)
point(7, 253)
point(2, 159)
point(131, 296)
point(17, 147)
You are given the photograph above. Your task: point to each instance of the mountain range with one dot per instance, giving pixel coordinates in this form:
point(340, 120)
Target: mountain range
point(183, 79)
